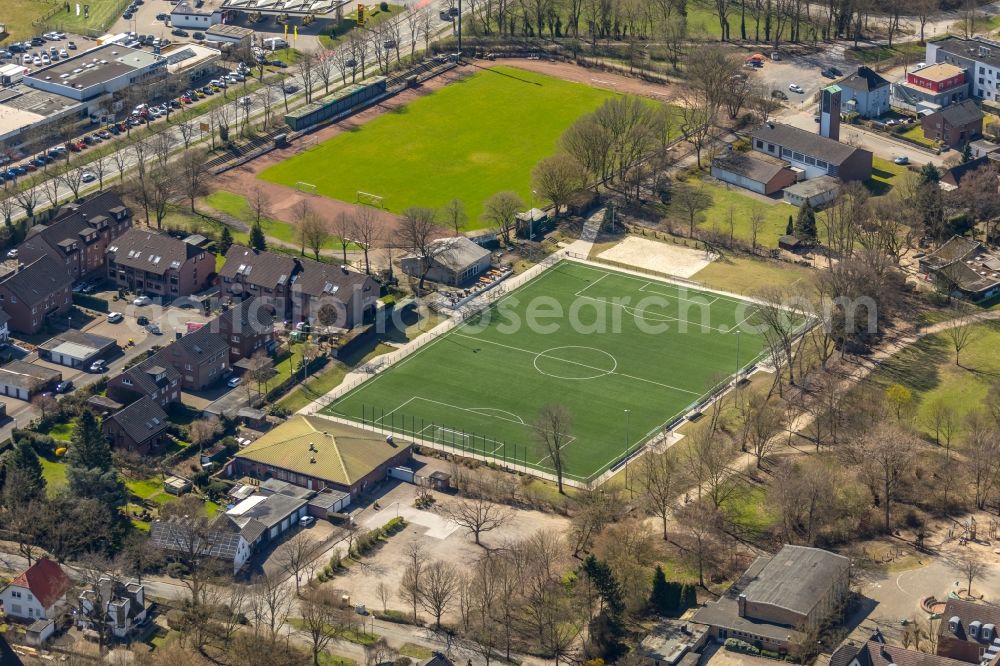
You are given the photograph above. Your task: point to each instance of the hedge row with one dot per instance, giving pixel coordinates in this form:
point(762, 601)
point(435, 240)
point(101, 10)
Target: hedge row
point(91, 302)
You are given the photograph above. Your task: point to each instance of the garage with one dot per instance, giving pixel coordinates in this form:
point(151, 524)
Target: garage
point(75, 349)
point(22, 380)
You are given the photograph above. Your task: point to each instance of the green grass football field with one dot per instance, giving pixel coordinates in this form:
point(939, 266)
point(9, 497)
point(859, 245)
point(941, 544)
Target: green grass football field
point(469, 140)
point(598, 341)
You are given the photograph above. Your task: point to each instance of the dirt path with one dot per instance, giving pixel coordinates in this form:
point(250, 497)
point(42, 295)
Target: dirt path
point(592, 77)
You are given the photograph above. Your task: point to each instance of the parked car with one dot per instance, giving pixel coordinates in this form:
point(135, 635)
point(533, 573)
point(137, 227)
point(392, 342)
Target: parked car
point(115, 317)
point(901, 159)
point(306, 521)
point(71, 46)
point(88, 177)
point(234, 382)
point(161, 17)
point(177, 32)
point(142, 320)
point(796, 88)
point(99, 366)
point(199, 35)
point(154, 329)
point(64, 386)
point(142, 300)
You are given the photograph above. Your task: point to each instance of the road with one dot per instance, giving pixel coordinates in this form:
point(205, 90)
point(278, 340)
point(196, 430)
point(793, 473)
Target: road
point(234, 93)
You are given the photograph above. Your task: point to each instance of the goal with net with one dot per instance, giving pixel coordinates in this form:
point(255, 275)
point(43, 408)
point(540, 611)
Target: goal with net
point(303, 186)
point(369, 199)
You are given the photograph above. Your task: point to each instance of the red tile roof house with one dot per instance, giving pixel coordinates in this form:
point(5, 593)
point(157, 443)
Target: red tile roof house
point(37, 592)
point(158, 265)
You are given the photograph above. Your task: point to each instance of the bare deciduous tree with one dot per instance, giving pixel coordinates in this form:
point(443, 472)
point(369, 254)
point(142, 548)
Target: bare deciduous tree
point(478, 516)
point(439, 589)
point(501, 211)
point(553, 430)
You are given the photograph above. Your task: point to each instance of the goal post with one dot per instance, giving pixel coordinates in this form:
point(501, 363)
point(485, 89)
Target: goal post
point(303, 186)
point(369, 199)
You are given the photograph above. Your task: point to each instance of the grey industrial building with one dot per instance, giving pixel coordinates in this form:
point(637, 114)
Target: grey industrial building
point(99, 71)
point(780, 598)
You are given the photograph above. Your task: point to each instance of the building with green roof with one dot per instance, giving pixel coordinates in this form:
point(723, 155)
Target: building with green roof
point(317, 453)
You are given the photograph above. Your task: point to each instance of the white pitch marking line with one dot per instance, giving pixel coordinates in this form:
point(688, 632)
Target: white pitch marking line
point(582, 365)
point(580, 293)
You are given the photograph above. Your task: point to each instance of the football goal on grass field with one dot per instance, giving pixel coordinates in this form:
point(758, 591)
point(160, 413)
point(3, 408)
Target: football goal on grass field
point(626, 355)
point(303, 186)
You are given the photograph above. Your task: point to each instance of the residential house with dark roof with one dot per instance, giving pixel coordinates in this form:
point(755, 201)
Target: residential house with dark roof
point(876, 651)
point(454, 261)
point(122, 604)
point(317, 453)
point(79, 235)
point(951, 178)
point(329, 295)
point(811, 153)
point(35, 293)
point(299, 288)
point(968, 631)
point(158, 265)
point(255, 274)
point(247, 327)
point(221, 539)
point(201, 358)
point(754, 171)
point(138, 428)
point(37, 592)
point(864, 92)
point(780, 598)
point(954, 125)
point(964, 268)
point(265, 517)
point(978, 57)
point(153, 378)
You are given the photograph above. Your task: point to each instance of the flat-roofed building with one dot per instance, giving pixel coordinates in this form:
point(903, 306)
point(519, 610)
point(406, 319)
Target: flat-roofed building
point(98, 71)
point(187, 63)
point(23, 108)
point(229, 34)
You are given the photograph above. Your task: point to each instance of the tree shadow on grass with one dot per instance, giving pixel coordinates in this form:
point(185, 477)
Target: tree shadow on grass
point(916, 367)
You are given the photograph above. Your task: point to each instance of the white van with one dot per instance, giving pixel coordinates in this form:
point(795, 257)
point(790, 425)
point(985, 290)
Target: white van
point(275, 43)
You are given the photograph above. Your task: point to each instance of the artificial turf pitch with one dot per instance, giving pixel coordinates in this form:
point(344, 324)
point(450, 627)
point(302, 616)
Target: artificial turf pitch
point(602, 342)
point(472, 138)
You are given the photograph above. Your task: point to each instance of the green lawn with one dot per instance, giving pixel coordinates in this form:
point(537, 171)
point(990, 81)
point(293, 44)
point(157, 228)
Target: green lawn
point(237, 206)
point(319, 384)
point(928, 369)
point(469, 140)
point(746, 276)
point(17, 15)
point(61, 431)
point(885, 176)
point(916, 133)
point(875, 54)
point(102, 14)
point(563, 337)
point(54, 472)
point(729, 197)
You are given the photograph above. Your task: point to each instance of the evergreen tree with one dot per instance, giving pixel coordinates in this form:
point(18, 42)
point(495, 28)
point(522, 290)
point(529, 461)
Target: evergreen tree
point(607, 585)
point(929, 174)
point(789, 229)
point(225, 240)
point(23, 481)
point(689, 597)
point(659, 599)
point(88, 449)
point(673, 596)
point(805, 225)
point(967, 153)
point(89, 469)
point(257, 240)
